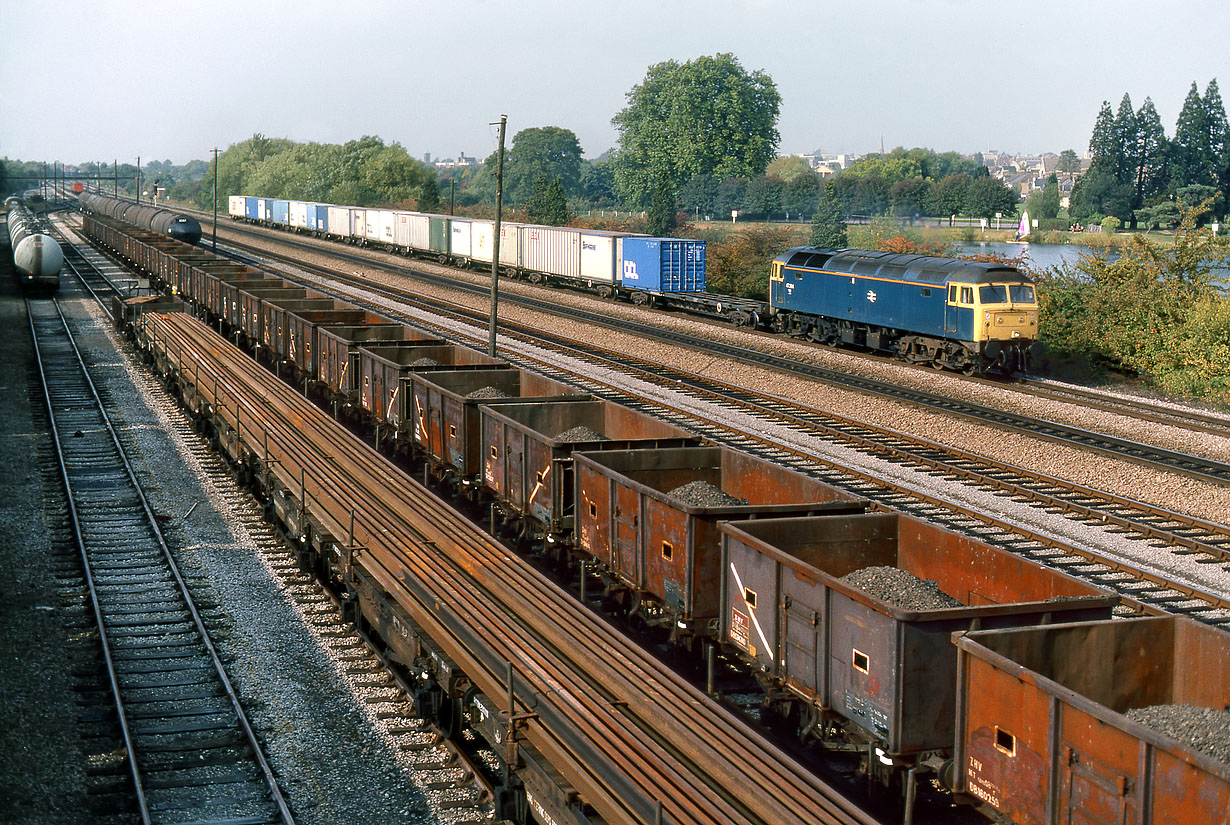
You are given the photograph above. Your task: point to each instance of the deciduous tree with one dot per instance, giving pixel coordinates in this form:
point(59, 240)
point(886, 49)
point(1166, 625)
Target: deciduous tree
point(705, 117)
point(545, 151)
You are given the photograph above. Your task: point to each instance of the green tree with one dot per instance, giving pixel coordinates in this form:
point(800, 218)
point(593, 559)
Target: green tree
point(1125, 139)
point(597, 184)
point(948, 195)
point(986, 196)
point(799, 195)
point(705, 117)
point(1069, 162)
point(1199, 138)
point(764, 197)
point(828, 227)
point(547, 204)
point(545, 151)
point(1150, 154)
point(788, 167)
point(429, 196)
point(1050, 201)
point(660, 221)
point(1102, 143)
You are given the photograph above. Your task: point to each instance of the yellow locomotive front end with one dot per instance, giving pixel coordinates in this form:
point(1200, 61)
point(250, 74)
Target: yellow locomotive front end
point(1006, 328)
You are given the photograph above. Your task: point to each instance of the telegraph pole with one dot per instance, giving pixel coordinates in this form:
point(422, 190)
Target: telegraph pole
point(215, 199)
point(495, 241)
point(138, 178)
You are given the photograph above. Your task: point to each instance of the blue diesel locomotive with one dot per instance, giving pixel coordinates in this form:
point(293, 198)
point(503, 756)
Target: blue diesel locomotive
point(948, 313)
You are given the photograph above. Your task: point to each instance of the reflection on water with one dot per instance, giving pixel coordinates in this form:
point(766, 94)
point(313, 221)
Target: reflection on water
point(1047, 255)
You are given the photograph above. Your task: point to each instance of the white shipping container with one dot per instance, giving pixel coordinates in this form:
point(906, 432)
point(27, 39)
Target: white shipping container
point(263, 209)
point(339, 221)
point(553, 250)
point(420, 231)
point(298, 214)
point(236, 206)
point(386, 225)
point(371, 229)
point(459, 238)
point(358, 224)
point(482, 241)
point(411, 230)
point(598, 256)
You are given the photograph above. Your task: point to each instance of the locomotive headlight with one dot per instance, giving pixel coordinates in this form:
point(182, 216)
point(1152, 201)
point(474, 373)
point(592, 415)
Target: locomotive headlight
point(986, 316)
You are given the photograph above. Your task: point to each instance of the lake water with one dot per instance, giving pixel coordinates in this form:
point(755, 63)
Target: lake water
point(1047, 255)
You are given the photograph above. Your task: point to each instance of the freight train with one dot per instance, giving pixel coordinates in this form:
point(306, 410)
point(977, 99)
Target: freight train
point(1011, 684)
point(37, 256)
point(944, 312)
point(147, 216)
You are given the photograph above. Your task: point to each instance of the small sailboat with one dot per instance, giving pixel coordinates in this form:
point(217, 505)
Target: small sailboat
point(1022, 231)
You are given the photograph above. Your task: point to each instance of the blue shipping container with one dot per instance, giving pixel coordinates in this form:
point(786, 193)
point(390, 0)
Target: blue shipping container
point(663, 264)
point(249, 209)
point(280, 213)
point(318, 217)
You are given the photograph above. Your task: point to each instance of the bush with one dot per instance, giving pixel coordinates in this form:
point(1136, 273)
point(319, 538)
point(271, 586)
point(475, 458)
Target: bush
point(1111, 224)
point(1153, 311)
point(740, 264)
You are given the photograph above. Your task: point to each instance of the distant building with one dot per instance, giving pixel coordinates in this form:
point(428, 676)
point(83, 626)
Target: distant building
point(461, 161)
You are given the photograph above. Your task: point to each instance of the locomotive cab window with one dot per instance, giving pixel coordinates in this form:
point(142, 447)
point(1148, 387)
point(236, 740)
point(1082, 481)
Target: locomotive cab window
point(993, 294)
point(967, 295)
point(926, 292)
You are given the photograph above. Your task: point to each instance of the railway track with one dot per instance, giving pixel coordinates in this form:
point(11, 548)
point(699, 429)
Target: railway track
point(1143, 588)
point(192, 754)
point(1195, 466)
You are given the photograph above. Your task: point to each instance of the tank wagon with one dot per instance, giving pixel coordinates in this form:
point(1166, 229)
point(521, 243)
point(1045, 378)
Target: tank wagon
point(147, 216)
point(850, 668)
point(37, 256)
point(962, 315)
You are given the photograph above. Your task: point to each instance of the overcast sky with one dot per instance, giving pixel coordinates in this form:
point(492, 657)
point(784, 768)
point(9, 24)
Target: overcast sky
point(103, 79)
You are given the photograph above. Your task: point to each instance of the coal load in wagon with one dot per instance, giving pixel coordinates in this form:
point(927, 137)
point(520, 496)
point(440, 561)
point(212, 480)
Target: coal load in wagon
point(425, 362)
point(1206, 730)
point(900, 588)
point(487, 392)
point(580, 434)
point(703, 494)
